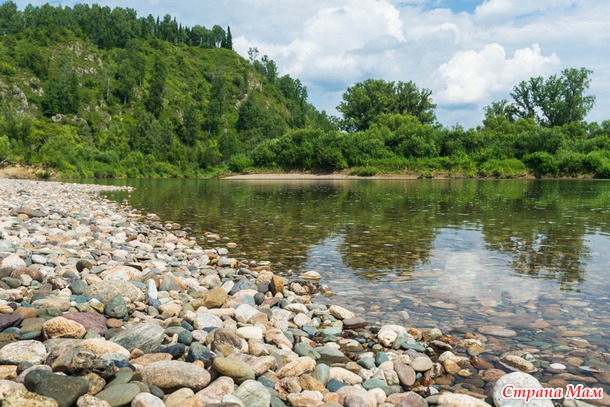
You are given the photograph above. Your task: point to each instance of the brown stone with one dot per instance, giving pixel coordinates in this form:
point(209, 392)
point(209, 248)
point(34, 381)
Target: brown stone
point(277, 284)
point(60, 327)
point(25, 312)
point(215, 298)
point(32, 272)
point(92, 321)
point(354, 323)
point(151, 358)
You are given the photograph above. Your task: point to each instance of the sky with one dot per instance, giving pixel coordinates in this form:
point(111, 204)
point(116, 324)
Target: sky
point(468, 52)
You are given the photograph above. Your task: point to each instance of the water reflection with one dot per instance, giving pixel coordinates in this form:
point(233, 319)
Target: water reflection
point(388, 229)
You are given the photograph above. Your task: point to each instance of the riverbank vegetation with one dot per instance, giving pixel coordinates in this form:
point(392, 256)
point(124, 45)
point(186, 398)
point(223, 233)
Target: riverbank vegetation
point(91, 91)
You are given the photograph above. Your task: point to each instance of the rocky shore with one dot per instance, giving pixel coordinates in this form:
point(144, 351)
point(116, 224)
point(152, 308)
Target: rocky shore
point(101, 305)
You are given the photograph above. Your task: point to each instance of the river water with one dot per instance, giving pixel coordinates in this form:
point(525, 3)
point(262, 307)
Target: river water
point(532, 256)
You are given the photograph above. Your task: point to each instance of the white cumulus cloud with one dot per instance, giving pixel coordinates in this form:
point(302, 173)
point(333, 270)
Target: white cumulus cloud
point(473, 77)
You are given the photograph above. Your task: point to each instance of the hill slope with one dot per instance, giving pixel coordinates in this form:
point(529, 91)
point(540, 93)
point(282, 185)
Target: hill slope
point(91, 91)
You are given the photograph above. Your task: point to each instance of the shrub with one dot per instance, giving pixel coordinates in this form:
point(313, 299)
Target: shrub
point(541, 163)
point(5, 148)
point(364, 171)
point(508, 168)
point(239, 163)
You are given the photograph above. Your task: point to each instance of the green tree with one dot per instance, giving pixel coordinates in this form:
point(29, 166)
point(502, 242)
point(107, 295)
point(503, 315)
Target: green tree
point(156, 88)
point(229, 42)
point(10, 18)
point(62, 95)
point(556, 101)
point(365, 101)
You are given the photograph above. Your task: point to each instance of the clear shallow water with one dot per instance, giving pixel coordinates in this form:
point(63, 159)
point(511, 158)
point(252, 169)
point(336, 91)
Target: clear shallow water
point(529, 255)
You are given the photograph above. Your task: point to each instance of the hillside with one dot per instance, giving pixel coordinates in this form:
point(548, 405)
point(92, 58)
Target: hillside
point(99, 92)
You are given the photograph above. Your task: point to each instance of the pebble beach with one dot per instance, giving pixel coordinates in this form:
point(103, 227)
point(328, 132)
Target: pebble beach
point(103, 305)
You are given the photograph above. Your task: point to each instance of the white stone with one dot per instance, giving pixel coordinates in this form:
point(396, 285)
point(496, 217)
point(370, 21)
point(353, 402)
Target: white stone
point(340, 312)
point(460, 400)
point(13, 261)
point(519, 380)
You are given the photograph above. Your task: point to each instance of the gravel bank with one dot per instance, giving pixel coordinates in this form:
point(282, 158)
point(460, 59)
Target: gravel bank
point(101, 305)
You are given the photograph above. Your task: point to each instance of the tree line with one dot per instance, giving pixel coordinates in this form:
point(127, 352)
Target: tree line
point(91, 91)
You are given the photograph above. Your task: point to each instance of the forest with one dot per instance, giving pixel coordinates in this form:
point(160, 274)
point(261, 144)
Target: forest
point(91, 91)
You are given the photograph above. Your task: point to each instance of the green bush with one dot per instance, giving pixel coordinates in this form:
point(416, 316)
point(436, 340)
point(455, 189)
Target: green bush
point(508, 168)
point(239, 163)
point(364, 171)
point(542, 163)
point(5, 148)
point(571, 163)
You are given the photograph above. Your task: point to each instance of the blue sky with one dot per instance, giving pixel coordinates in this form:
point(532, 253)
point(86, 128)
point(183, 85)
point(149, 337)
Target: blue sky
point(468, 52)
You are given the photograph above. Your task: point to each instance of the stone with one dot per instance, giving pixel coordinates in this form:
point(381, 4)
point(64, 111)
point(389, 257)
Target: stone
point(83, 264)
point(71, 359)
point(321, 373)
point(236, 369)
point(116, 307)
point(172, 374)
point(250, 332)
point(493, 330)
point(354, 323)
point(92, 321)
point(101, 347)
point(253, 394)
point(13, 261)
point(306, 398)
point(119, 395)
point(89, 401)
point(60, 327)
point(277, 285)
point(244, 313)
point(63, 389)
point(340, 312)
point(216, 390)
point(207, 321)
point(8, 386)
point(519, 363)
point(228, 339)
point(30, 351)
point(459, 400)
point(344, 375)
point(147, 400)
point(406, 374)
point(296, 368)
point(330, 355)
point(177, 398)
point(108, 289)
point(22, 398)
point(147, 337)
point(214, 298)
point(410, 399)
point(125, 273)
point(518, 380)
point(422, 364)
point(9, 320)
point(388, 333)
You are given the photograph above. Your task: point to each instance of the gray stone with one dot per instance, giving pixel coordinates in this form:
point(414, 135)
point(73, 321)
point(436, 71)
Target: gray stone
point(422, 364)
point(116, 307)
point(519, 381)
point(108, 289)
point(406, 374)
point(63, 389)
point(22, 398)
point(234, 368)
point(173, 374)
point(15, 353)
point(147, 337)
point(119, 395)
point(147, 400)
point(253, 394)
